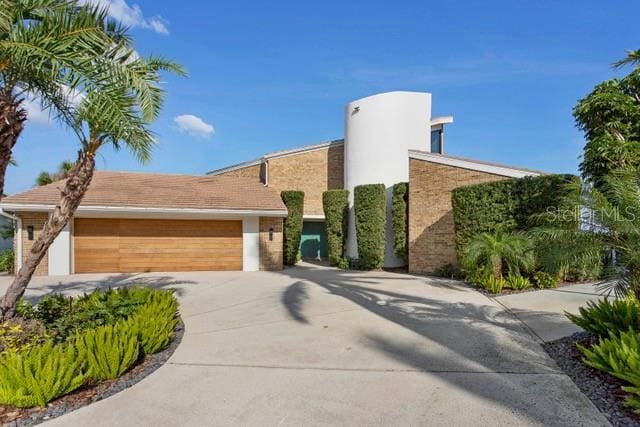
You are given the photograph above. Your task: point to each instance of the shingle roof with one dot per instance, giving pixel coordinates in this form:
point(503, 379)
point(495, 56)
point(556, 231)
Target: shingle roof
point(152, 190)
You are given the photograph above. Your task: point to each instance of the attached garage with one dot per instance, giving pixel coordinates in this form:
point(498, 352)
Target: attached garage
point(141, 245)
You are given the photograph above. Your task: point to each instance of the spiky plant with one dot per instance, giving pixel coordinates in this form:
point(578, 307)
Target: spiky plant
point(500, 250)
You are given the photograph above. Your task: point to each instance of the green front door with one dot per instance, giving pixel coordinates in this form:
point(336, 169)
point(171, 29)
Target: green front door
point(313, 244)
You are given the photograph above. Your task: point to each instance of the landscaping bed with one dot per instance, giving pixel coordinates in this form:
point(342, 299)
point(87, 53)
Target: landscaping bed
point(603, 390)
point(65, 353)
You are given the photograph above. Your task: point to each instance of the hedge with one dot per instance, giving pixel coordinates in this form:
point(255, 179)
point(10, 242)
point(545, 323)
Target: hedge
point(399, 216)
point(336, 213)
point(292, 227)
point(508, 204)
point(371, 217)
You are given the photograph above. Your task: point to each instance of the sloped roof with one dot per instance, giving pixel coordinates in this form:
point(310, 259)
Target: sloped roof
point(153, 190)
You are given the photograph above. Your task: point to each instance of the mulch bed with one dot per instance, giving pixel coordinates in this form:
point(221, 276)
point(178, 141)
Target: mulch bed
point(17, 417)
point(603, 390)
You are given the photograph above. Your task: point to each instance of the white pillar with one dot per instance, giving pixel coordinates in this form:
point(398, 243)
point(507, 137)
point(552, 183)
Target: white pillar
point(60, 254)
point(251, 243)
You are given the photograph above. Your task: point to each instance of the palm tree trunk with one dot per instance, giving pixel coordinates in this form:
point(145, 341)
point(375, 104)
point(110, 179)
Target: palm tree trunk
point(497, 268)
point(71, 195)
point(12, 118)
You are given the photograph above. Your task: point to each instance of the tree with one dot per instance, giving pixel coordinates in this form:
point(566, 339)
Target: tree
point(47, 51)
point(610, 119)
point(499, 250)
point(64, 169)
point(117, 113)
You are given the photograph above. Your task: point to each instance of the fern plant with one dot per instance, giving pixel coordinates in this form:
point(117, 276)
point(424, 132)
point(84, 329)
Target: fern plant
point(110, 350)
point(605, 317)
point(156, 321)
point(36, 377)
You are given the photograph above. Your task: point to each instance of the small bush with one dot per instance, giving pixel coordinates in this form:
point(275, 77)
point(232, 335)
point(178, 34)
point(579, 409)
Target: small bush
point(335, 204)
point(371, 217)
point(7, 261)
point(36, 377)
point(292, 227)
point(110, 350)
point(545, 280)
point(606, 317)
point(448, 271)
point(399, 216)
point(619, 356)
point(156, 322)
point(492, 284)
point(517, 282)
point(20, 335)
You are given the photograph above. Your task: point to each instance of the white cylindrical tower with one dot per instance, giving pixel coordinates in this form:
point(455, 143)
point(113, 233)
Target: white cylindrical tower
point(379, 131)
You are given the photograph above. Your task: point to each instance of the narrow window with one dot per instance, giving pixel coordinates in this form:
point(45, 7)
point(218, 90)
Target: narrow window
point(436, 141)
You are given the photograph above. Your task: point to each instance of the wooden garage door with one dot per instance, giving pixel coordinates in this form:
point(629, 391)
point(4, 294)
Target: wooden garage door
point(138, 245)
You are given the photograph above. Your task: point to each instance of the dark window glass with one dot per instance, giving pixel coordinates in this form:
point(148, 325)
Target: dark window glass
point(436, 141)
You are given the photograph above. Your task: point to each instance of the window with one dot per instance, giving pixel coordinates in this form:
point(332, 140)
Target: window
point(436, 141)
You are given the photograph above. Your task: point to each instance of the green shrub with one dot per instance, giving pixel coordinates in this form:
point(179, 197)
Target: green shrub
point(41, 374)
point(619, 356)
point(499, 252)
point(292, 227)
point(371, 218)
point(336, 213)
point(155, 322)
point(491, 283)
point(517, 282)
point(399, 217)
point(7, 261)
point(110, 350)
point(448, 271)
point(545, 280)
point(606, 317)
point(20, 335)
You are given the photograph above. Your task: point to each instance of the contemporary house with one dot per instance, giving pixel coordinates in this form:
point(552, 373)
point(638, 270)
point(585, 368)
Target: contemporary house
point(231, 218)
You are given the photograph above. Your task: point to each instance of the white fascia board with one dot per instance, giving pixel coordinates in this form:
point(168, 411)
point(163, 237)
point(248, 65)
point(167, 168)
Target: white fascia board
point(304, 149)
point(87, 210)
point(471, 165)
point(313, 217)
point(442, 120)
point(237, 166)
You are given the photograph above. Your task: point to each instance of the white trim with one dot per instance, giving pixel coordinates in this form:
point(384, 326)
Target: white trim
point(18, 230)
point(84, 210)
point(472, 165)
point(313, 217)
point(59, 253)
point(237, 166)
point(250, 243)
point(304, 149)
point(442, 120)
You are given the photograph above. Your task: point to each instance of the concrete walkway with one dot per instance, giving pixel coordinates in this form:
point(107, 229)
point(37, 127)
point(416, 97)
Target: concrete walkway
point(317, 346)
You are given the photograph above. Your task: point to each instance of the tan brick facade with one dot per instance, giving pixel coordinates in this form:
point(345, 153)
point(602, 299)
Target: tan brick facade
point(431, 228)
point(271, 256)
point(313, 172)
point(252, 171)
point(36, 220)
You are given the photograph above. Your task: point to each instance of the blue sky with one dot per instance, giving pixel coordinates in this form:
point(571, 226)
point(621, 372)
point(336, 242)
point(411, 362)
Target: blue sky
point(273, 75)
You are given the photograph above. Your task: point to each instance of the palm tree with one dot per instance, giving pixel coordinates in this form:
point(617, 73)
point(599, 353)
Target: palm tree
point(64, 169)
point(116, 114)
point(632, 58)
point(48, 50)
point(494, 251)
point(606, 223)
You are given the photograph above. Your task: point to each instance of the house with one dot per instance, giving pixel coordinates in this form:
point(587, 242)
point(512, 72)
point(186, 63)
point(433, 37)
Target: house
point(231, 218)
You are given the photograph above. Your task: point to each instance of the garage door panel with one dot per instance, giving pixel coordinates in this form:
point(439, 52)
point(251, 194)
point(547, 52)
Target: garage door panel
point(131, 245)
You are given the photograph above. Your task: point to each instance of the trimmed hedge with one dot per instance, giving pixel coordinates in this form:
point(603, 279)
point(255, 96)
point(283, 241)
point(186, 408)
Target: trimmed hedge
point(370, 208)
point(399, 216)
point(335, 204)
point(292, 227)
point(507, 204)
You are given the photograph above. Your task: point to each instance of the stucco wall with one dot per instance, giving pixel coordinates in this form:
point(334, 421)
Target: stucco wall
point(431, 229)
point(271, 257)
point(37, 220)
point(313, 172)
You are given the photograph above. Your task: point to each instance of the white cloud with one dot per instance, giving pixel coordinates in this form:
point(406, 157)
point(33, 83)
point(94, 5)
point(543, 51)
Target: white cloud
point(131, 16)
point(194, 125)
point(35, 113)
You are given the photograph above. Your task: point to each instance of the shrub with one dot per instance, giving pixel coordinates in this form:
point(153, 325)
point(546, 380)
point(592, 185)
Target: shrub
point(545, 280)
point(619, 356)
point(499, 251)
point(606, 317)
point(156, 322)
point(492, 284)
point(371, 218)
point(20, 335)
point(399, 216)
point(448, 271)
point(517, 282)
point(292, 227)
point(7, 261)
point(335, 204)
point(110, 350)
point(40, 375)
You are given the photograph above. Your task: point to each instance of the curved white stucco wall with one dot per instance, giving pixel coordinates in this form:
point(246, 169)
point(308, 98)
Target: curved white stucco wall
point(379, 131)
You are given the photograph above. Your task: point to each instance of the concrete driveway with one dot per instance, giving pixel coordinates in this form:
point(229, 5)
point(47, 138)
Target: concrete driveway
point(317, 346)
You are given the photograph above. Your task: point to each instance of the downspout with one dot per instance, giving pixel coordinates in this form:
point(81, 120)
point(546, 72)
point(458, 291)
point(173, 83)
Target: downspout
point(18, 241)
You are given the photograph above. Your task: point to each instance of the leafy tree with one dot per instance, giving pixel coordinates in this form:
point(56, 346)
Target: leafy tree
point(64, 169)
point(117, 112)
point(500, 250)
point(610, 119)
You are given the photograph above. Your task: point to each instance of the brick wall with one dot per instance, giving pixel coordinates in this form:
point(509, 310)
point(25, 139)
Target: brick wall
point(246, 172)
point(271, 256)
point(312, 172)
point(431, 229)
point(37, 220)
